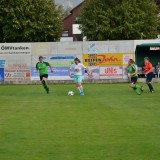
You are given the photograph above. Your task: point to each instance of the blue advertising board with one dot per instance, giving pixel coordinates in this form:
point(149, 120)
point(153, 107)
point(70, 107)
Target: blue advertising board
point(61, 61)
point(2, 63)
point(1, 74)
point(58, 73)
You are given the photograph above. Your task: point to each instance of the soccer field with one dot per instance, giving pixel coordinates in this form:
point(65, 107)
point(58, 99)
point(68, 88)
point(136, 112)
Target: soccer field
point(109, 123)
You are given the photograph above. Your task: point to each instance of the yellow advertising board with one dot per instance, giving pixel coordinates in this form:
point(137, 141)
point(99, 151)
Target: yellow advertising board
point(103, 59)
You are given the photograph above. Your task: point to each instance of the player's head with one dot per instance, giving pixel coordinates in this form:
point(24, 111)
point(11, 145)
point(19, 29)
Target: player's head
point(40, 59)
point(131, 61)
point(159, 63)
point(77, 60)
point(146, 60)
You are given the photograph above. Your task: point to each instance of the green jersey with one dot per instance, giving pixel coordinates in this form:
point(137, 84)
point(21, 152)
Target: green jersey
point(42, 67)
point(132, 69)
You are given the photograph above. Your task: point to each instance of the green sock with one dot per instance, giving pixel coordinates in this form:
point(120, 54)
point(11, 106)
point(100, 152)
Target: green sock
point(46, 85)
point(137, 86)
point(137, 90)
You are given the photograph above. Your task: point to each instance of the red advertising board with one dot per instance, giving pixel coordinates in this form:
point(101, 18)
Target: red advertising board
point(111, 72)
point(17, 74)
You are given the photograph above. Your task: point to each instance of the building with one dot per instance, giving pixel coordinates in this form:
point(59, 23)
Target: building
point(158, 2)
point(70, 20)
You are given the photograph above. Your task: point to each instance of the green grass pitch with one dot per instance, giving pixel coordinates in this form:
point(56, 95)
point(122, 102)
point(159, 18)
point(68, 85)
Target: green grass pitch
point(109, 123)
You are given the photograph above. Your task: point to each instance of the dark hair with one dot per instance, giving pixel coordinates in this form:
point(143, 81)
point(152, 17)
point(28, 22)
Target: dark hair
point(40, 57)
point(77, 59)
point(132, 61)
point(146, 58)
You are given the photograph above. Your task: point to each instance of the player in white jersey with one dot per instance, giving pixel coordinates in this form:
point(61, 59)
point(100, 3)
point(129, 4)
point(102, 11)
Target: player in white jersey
point(77, 69)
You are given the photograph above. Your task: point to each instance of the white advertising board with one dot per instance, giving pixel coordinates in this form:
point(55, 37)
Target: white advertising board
point(111, 72)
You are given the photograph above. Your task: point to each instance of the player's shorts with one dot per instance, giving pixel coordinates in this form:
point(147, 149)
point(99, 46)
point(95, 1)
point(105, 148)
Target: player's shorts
point(45, 76)
point(77, 78)
point(149, 77)
point(134, 80)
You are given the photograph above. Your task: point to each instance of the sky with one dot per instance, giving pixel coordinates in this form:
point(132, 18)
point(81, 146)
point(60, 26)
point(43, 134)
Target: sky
point(68, 3)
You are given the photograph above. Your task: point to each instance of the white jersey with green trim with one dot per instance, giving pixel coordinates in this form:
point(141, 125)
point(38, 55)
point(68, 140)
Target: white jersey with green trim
point(77, 68)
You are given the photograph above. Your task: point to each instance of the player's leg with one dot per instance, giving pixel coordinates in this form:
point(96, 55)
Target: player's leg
point(80, 85)
point(148, 81)
point(135, 86)
point(44, 83)
point(76, 82)
point(138, 87)
point(137, 90)
point(80, 88)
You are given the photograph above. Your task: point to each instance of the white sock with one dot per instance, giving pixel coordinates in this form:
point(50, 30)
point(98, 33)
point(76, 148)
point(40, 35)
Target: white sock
point(81, 88)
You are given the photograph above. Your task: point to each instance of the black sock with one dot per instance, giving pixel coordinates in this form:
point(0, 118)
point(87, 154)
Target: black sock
point(150, 87)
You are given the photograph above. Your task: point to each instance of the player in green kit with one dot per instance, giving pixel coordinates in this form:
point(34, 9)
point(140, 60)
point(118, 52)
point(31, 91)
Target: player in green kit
point(132, 73)
point(42, 67)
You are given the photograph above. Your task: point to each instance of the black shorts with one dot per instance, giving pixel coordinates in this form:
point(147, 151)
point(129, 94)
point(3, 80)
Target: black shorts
point(134, 80)
point(45, 76)
point(149, 77)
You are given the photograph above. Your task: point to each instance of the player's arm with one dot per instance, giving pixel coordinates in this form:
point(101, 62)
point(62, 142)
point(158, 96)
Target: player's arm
point(127, 69)
point(86, 70)
point(51, 68)
point(49, 65)
point(134, 73)
point(151, 70)
point(37, 67)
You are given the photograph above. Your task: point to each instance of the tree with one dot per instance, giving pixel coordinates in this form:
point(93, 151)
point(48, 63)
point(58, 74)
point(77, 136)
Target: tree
point(119, 19)
point(29, 21)
point(65, 11)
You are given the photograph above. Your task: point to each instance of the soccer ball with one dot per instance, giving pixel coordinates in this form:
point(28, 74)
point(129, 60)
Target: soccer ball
point(70, 93)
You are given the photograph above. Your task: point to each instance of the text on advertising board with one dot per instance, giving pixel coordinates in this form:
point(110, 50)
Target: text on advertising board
point(103, 59)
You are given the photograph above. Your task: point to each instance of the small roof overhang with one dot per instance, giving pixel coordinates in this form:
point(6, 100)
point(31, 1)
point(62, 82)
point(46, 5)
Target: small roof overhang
point(149, 45)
